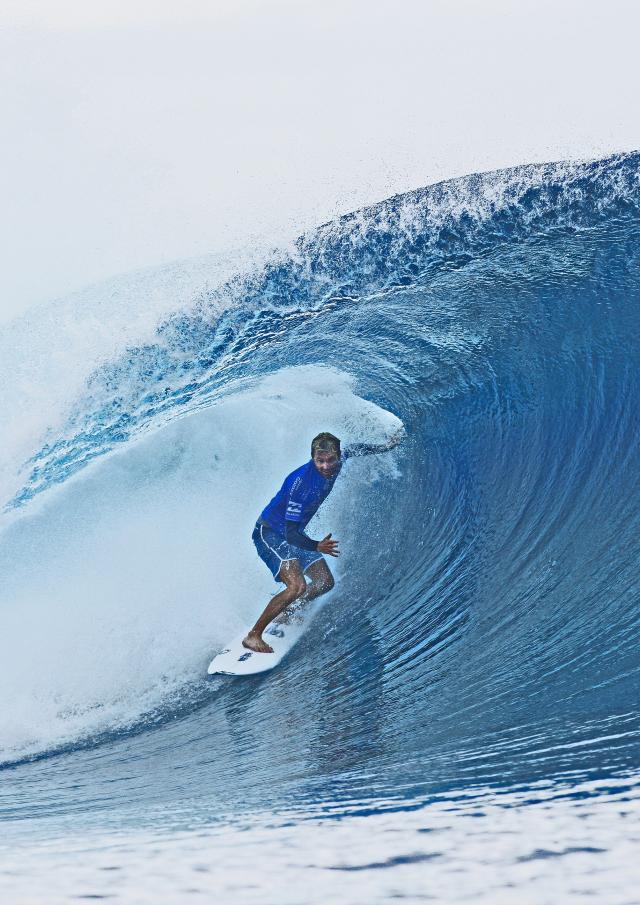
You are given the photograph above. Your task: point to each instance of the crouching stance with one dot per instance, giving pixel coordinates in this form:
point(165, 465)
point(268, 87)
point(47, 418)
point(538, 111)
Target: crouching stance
point(279, 534)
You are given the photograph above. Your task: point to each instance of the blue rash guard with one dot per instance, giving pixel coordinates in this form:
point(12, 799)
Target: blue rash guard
point(302, 494)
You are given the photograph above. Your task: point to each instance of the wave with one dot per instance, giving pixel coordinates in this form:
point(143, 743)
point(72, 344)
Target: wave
point(485, 625)
point(124, 581)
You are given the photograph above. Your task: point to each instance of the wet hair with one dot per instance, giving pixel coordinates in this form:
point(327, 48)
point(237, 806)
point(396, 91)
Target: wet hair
point(325, 442)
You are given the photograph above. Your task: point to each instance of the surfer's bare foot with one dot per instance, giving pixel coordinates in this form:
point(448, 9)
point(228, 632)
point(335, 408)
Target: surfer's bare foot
point(255, 643)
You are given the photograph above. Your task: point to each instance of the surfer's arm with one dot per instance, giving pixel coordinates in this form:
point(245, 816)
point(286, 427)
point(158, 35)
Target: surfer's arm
point(369, 449)
point(297, 538)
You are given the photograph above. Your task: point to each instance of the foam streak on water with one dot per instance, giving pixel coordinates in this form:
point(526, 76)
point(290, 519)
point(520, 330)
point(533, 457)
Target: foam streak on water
point(549, 845)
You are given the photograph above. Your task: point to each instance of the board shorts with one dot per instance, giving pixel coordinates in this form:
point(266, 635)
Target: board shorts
point(273, 550)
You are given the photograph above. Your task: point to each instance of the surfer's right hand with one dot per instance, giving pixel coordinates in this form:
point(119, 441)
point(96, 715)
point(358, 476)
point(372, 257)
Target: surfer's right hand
point(328, 546)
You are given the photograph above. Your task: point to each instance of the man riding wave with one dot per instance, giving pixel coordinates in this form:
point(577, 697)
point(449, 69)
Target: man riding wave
point(279, 534)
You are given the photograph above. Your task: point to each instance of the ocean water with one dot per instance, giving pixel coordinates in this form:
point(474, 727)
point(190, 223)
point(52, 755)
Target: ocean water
point(462, 721)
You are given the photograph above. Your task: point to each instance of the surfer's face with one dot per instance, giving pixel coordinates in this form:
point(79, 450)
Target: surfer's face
point(326, 463)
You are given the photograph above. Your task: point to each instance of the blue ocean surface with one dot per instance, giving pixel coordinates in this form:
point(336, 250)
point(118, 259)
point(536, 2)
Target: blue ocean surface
point(484, 630)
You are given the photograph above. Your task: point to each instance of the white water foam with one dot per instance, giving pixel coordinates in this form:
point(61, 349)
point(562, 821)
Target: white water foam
point(469, 846)
point(120, 584)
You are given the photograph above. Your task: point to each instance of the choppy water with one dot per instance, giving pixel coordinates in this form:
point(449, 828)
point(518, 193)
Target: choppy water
point(484, 630)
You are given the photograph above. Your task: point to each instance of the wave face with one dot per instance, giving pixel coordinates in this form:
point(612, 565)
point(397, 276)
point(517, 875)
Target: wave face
point(485, 626)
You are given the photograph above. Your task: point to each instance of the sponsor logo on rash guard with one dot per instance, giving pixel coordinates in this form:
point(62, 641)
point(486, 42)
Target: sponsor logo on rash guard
point(294, 511)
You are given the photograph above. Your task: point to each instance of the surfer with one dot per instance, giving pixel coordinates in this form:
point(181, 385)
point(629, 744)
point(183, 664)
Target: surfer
point(279, 534)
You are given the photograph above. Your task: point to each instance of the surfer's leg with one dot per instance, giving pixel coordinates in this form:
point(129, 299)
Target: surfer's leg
point(321, 580)
point(296, 586)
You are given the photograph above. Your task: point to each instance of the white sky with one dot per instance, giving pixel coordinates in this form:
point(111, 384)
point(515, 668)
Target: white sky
point(134, 133)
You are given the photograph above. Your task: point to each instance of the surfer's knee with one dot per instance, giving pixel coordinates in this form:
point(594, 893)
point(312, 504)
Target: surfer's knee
point(296, 589)
point(321, 578)
point(325, 579)
point(328, 584)
point(321, 586)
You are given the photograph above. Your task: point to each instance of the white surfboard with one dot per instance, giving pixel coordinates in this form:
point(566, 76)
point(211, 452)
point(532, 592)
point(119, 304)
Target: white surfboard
point(236, 660)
